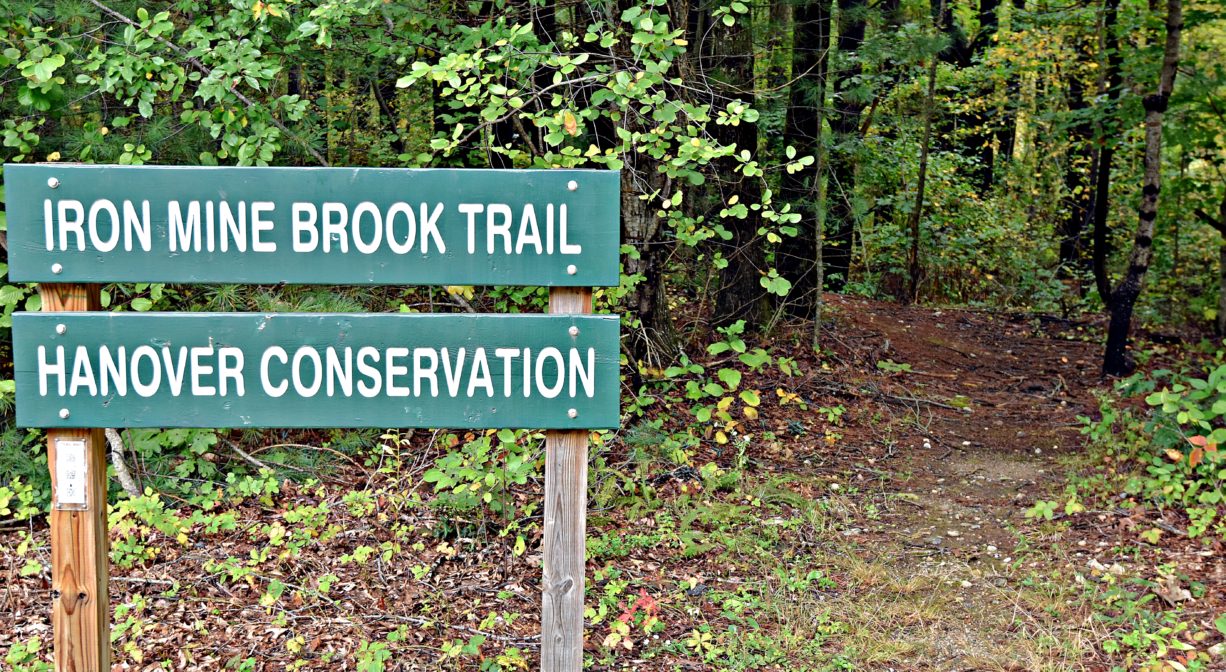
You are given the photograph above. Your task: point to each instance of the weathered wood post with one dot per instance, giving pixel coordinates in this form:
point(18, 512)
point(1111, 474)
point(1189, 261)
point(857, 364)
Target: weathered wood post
point(565, 526)
point(80, 604)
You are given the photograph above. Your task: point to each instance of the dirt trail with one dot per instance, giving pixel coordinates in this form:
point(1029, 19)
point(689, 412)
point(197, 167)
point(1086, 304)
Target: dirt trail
point(982, 407)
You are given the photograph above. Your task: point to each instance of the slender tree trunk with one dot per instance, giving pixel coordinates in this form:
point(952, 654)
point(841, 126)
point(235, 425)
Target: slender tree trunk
point(652, 339)
point(1007, 135)
point(1109, 91)
point(740, 295)
point(1116, 360)
point(979, 132)
point(1076, 180)
point(845, 132)
point(917, 213)
point(803, 131)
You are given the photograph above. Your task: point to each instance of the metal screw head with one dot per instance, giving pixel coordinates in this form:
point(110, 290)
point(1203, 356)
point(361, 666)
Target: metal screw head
point(53, 182)
point(573, 413)
point(61, 329)
point(574, 331)
point(572, 185)
point(57, 268)
point(572, 269)
point(64, 413)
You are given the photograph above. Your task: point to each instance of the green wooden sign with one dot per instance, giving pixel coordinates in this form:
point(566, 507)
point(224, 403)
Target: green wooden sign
point(315, 370)
point(83, 223)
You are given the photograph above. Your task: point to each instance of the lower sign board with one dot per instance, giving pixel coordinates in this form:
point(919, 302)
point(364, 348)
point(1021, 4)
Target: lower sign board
point(316, 370)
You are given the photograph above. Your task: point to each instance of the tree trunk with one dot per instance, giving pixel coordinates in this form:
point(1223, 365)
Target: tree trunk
point(845, 133)
point(1116, 360)
point(652, 340)
point(917, 213)
point(1006, 137)
point(979, 133)
point(1107, 132)
point(1076, 180)
point(803, 131)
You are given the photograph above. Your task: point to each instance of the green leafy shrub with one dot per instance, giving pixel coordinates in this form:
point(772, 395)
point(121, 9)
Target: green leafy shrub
point(1171, 458)
point(482, 471)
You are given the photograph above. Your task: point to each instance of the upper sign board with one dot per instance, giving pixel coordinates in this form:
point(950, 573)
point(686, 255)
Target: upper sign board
point(315, 370)
point(365, 226)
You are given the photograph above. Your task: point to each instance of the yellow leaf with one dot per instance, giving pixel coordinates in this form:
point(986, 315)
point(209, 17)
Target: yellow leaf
point(721, 438)
point(1174, 455)
point(751, 413)
point(569, 123)
point(53, 156)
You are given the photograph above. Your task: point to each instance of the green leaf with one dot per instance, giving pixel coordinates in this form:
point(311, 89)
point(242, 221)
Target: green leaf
point(730, 377)
point(751, 397)
point(141, 304)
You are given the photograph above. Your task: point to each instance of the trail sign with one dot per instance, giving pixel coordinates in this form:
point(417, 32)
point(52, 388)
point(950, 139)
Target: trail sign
point(316, 370)
point(357, 226)
point(78, 369)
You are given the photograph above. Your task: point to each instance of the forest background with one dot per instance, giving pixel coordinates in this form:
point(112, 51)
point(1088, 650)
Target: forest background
point(1041, 157)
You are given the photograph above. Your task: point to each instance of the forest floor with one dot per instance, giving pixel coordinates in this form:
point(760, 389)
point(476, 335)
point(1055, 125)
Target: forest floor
point(876, 520)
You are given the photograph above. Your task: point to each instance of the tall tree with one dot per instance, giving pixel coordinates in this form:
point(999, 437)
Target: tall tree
point(1116, 360)
point(798, 259)
point(1079, 158)
point(730, 59)
point(1110, 86)
point(917, 212)
point(845, 136)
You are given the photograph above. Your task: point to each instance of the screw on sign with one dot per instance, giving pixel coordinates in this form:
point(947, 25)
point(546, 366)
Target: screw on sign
point(78, 369)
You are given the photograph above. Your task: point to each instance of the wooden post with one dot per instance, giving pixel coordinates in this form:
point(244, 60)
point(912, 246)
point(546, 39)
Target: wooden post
point(80, 547)
point(565, 526)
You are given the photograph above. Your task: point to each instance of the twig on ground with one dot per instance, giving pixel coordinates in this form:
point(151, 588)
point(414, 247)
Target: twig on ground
point(246, 456)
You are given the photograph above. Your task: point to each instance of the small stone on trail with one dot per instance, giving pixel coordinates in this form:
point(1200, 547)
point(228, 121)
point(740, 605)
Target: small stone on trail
point(1038, 451)
point(991, 548)
point(954, 533)
point(966, 584)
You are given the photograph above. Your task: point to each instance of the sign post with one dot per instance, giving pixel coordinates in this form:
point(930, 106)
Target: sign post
point(565, 533)
point(79, 370)
point(80, 545)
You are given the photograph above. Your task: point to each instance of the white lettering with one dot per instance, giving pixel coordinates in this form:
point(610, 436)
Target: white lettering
point(269, 389)
point(260, 225)
point(45, 368)
point(303, 220)
point(184, 234)
point(232, 372)
point(200, 369)
point(138, 386)
point(317, 367)
point(372, 354)
point(472, 210)
point(392, 371)
point(559, 367)
point(82, 373)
